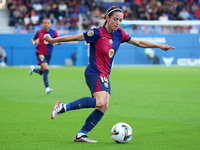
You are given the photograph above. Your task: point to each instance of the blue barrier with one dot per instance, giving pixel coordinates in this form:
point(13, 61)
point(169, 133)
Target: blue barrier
point(20, 50)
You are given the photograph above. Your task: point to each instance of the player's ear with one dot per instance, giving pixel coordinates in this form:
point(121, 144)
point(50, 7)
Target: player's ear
point(107, 18)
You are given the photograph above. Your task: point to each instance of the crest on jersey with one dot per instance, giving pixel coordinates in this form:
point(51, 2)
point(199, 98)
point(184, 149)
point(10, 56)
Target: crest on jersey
point(111, 53)
point(41, 57)
point(90, 33)
point(106, 85)
point(110, 41)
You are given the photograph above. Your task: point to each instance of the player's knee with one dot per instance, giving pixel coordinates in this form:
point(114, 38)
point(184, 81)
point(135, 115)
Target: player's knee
point(103, 108)
point(100, 103)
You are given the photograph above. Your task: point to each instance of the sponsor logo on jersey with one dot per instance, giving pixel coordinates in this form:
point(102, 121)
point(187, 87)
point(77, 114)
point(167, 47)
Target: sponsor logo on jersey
point(111, 53)
point(90, 33)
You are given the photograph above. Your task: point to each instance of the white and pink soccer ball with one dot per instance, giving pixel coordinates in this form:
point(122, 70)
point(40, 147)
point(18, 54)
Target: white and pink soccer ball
point(121, 133)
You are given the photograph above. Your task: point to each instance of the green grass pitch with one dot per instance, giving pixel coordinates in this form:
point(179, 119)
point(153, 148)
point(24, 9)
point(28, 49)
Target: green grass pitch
point(161, 104)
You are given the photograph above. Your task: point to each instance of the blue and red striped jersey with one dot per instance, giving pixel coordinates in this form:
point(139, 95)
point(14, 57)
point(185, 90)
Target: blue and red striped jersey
point(43, 46)
point(103, 47)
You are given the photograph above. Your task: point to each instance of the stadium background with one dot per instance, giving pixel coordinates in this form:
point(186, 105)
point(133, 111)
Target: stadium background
point(70, 17)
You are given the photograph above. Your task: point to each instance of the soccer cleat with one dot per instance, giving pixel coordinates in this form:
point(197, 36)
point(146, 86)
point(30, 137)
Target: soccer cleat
point(31, 71)
point(48, 90)
point(57, 109)
point(84, 138)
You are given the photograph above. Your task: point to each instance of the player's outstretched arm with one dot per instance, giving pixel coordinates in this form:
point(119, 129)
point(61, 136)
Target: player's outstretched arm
point(66, 38)
point(146, 44)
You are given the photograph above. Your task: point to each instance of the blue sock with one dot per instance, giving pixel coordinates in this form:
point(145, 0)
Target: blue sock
point(85, 102)
point(45, 78)
point(91, 121)
point(38, 71)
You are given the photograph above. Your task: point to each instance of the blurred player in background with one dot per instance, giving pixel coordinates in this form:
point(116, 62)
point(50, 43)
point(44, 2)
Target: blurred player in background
point(44, 51)
point(104, 43)
point(3, 58)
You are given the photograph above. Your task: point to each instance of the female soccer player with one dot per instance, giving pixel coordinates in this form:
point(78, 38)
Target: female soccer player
point(104, 43)
point(44, 51)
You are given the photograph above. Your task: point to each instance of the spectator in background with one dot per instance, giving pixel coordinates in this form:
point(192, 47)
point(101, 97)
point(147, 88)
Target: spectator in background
point(138, 10)
point(67, 23)
point(30, 28)
point(194, 7)
point(24, 30)
point(96, 13)
point(184, 15)
point(59, 30)
point(47, 8)
point(159, 11)
point(134, 10)
point(26, 20)
point(60, 21)
point(174, 13)
point(86, 22)
point(145, 29)
point(88, 12)
point(38, 7)
point(193, 30)
point(43, 16)
point(54, 10)
point(74, 22)
point(52, 19)
point(141, 10)
point(3, 58)
point(34, 17)
point(163, 17)
point(197, 13)
point(16, 14)
point(23, 9)
point(62, 7)
point(102, 8)
point(184, 29)
point(126, 8)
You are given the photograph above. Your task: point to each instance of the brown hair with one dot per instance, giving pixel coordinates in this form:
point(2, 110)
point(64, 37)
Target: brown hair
point(110, 11)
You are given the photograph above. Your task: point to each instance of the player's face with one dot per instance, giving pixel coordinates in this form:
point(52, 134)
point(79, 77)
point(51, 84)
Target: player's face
point(115, 20)
point(46, 25)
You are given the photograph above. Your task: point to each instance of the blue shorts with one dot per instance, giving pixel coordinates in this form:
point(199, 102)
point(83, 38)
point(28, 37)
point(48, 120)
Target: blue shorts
point(97, 83)
point(43, 59)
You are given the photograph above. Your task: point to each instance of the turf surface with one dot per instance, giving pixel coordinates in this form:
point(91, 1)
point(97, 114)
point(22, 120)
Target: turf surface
point(161, 104)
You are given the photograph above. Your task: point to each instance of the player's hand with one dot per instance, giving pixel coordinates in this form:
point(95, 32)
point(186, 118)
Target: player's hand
point(48, 38)
point(166, 47)
point(35, 42)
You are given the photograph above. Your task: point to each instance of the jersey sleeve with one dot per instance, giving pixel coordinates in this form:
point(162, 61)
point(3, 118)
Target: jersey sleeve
point(125, 36)
point(92, 35)
point(36, 35)
point(56, 34)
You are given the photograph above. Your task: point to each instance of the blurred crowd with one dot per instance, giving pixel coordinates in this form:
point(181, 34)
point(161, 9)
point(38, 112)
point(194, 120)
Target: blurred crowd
point(71, 15)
